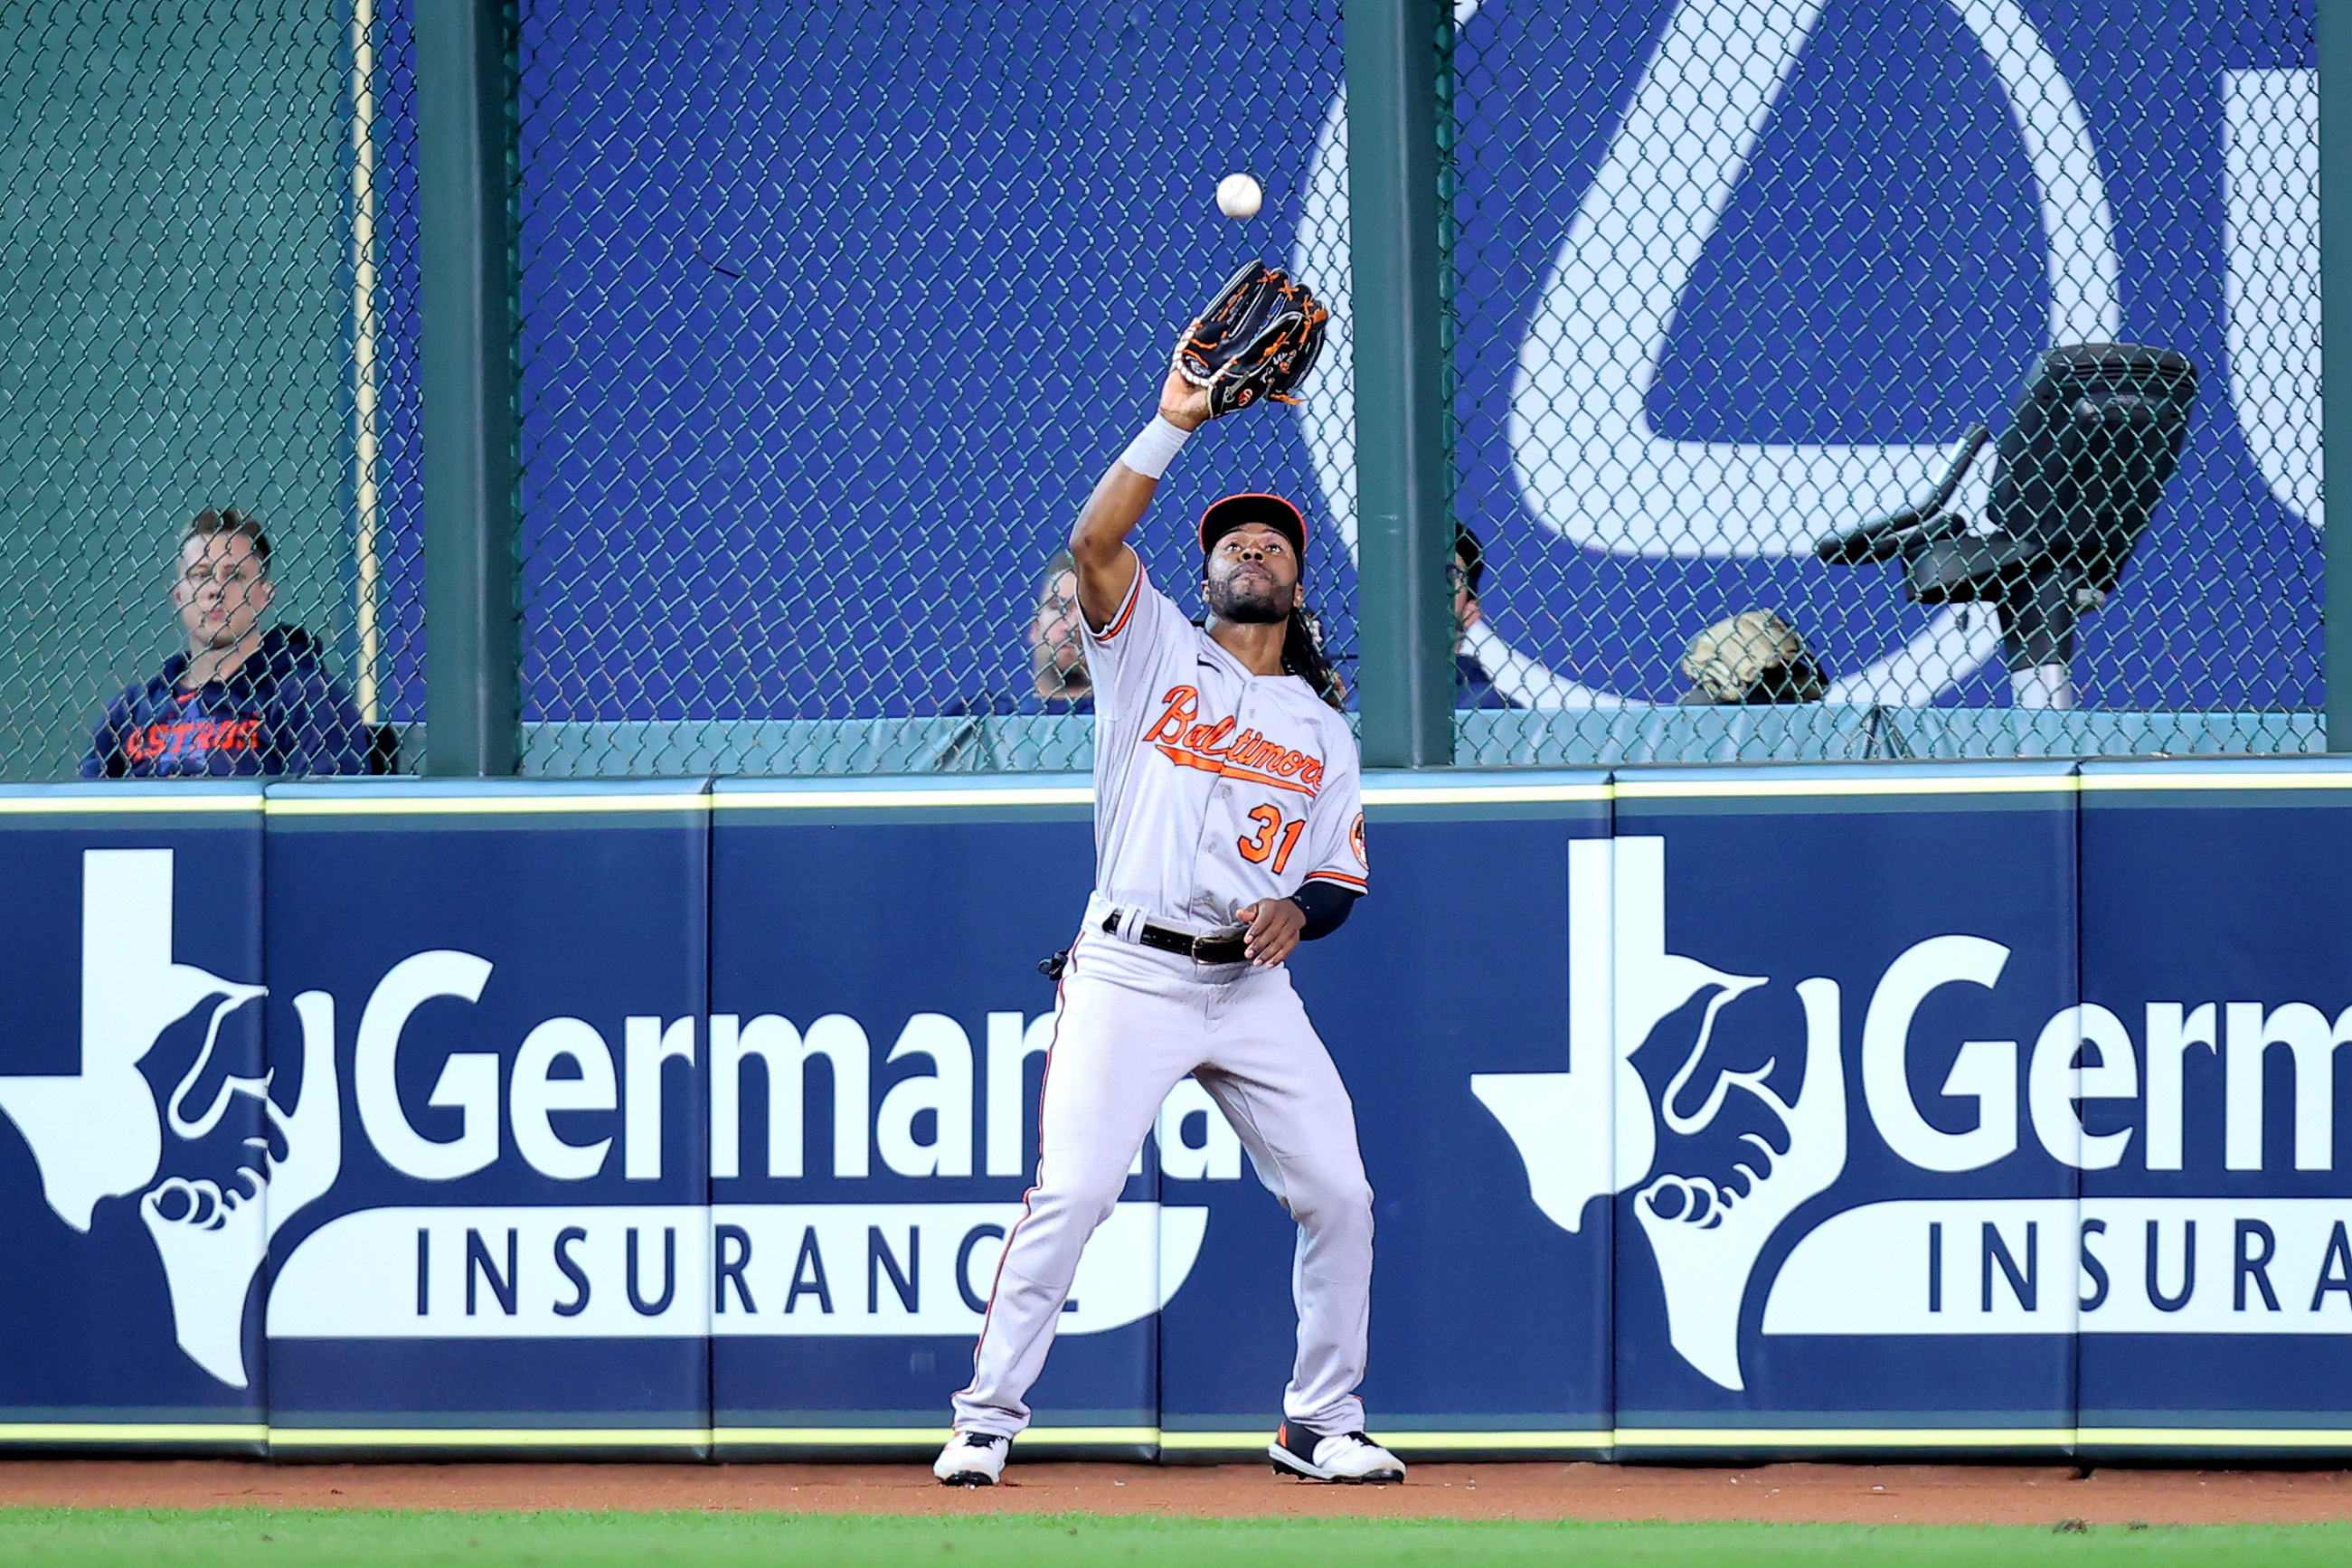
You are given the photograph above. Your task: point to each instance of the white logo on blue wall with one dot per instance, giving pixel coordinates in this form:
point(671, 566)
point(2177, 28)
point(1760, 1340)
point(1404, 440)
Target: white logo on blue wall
point(1592, 1131)
point(603, 1269)
point(97, 1134)
point(2270, 182)
point(2171, 1264)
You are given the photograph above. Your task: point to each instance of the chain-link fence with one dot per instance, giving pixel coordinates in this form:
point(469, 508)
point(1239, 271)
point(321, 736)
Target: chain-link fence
point(187, 193)
point(387, 448)
point(1736, 277)
point(831, 315)
point(831, 318)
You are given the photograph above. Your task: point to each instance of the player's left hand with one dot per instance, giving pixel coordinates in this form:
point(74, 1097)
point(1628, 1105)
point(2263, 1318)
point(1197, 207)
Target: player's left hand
point(1273, 927)
point(1183, 405)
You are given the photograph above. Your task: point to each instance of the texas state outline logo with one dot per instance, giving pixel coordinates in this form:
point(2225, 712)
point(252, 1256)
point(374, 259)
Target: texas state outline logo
point(422, 1268)
point(1893, 1262)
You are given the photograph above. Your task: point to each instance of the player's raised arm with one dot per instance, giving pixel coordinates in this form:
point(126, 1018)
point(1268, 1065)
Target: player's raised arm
point(1255, 341)
point(1099, 542)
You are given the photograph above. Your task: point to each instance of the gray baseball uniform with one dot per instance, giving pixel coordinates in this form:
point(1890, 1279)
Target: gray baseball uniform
point(1214, 788)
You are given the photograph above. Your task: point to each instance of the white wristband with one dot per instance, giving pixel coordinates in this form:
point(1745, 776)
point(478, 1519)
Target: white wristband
point(1152, 450)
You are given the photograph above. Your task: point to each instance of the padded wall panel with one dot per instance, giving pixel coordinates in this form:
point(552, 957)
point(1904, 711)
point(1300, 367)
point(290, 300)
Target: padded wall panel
point(1839, 1230)
point(880, 944)
point(131, 1085)
point(2217, 937)
point(500, 989)
point(1449, 1001)
point(1560, 1038)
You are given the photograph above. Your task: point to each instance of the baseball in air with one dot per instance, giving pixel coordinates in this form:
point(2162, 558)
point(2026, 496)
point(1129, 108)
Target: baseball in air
point(1238, 196)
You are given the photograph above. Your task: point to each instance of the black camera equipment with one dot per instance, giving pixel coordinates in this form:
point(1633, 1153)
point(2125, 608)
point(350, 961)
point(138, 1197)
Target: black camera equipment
point(2077, 476)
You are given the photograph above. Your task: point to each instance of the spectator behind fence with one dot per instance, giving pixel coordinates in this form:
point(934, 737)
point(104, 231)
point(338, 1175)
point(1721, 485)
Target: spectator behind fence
point(1488, 672)
point(1473, 686)
point(1059, 675)
point(242, 700)
point(1058, 680)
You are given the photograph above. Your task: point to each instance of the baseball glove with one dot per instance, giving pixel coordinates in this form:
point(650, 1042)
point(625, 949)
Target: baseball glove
point(1255, 341)
point(1751, 658)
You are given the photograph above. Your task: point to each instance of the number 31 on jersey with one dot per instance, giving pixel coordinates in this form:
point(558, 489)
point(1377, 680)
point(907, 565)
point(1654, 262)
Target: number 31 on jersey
point(1274, 837)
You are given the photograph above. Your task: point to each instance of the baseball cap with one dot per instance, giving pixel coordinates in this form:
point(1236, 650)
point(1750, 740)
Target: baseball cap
point(1223, 517)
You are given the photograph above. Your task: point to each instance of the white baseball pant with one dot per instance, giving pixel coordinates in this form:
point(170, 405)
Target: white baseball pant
point(1134, 1021)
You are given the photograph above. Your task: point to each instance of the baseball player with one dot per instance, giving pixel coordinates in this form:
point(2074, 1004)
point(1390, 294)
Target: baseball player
point(1228, 828)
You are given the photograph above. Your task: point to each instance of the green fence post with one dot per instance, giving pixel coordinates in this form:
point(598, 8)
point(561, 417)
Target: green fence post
point(465, 158)
point(1396, 53)
point(2335, 22)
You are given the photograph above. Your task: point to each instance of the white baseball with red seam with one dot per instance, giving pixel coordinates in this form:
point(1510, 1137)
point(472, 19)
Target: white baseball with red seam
point(1239, 197)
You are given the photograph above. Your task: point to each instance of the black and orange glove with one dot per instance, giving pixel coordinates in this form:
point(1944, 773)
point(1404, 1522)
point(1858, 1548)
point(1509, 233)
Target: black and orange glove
point(1255, 341)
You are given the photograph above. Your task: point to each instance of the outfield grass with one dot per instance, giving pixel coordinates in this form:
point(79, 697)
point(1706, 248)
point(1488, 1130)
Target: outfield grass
point(139, 1538)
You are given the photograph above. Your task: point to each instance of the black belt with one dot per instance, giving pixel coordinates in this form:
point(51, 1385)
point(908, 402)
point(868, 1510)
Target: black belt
point(1199, 949)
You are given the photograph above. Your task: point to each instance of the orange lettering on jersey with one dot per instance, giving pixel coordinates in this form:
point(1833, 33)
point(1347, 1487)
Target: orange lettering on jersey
point(1209, 739)
point(1183, 702)
point(1215, 749)
point(212, 734)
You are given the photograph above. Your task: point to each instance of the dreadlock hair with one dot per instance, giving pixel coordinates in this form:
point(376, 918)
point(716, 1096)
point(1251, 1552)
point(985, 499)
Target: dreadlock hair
point(1302, 656)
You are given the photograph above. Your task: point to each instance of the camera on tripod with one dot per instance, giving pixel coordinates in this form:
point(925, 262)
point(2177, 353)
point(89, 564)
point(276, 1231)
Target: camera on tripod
point(2078, 474)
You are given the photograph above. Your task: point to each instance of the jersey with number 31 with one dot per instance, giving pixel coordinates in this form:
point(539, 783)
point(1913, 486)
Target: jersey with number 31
point(1214, 787)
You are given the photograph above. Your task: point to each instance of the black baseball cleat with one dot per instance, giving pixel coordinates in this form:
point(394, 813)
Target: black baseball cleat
point(1342, 1456)
point(970, 1459)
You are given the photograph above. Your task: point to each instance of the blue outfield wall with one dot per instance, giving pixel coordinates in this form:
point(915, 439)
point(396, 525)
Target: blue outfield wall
point(1959, 1108)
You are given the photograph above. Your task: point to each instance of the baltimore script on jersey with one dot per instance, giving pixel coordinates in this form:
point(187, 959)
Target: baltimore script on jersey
point(1214, 748)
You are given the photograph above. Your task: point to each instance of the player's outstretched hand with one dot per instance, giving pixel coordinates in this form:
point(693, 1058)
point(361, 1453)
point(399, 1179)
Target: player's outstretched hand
point(1273, 927)
point(1183, 405)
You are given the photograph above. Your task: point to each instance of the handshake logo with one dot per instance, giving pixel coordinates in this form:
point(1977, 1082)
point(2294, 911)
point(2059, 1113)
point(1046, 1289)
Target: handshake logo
point(1592, 1131)
point(217, 1162)
point(98, 1131)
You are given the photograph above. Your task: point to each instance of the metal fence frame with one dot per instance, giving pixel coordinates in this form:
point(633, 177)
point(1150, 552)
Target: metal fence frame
point(2334, 17)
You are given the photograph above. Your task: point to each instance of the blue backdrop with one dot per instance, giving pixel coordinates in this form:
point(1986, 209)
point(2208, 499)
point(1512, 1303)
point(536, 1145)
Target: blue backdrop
point(2225, 1215)
point(829, 322)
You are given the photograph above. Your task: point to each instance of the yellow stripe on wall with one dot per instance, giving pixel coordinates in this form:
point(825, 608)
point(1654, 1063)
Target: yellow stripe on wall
point(123, 805)
point(2154, 780)
point(2184, 1438)
point(488, 1437)
point(2201, 1438)
point(480, 806)
point(129, 1432)
point(1482, 1441)
point(1755, 788)
point(1843, 1437)
point(922, 1436)
point(897, 799)
point(1481, 794)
